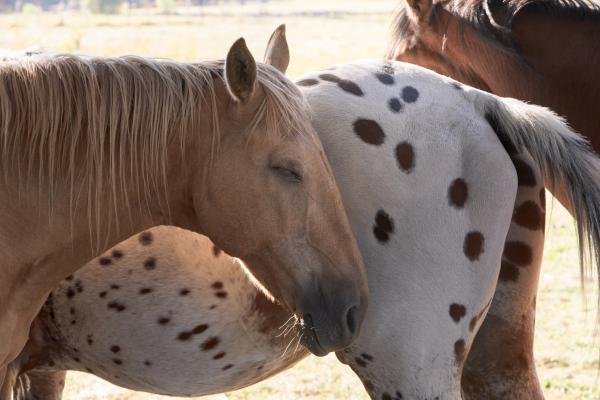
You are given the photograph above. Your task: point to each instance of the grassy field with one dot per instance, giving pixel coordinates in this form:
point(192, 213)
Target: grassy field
point(320, 34)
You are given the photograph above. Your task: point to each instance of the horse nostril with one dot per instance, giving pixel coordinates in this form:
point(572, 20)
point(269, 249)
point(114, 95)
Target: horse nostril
point(351, 322)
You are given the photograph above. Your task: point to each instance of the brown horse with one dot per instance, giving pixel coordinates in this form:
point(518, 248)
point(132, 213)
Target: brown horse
point(93, 150)
point(546, 52)
point(543, 51)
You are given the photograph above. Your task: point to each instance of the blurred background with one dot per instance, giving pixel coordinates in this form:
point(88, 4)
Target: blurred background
point(321, 33)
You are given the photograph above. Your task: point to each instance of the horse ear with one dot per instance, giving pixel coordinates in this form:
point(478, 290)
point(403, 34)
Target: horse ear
point(420, 9)
point(278, 52)
point(240, 71)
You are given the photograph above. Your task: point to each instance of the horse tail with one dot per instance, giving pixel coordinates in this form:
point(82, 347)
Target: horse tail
point(570, 167)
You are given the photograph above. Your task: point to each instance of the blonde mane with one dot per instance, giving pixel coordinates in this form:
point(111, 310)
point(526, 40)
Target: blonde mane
point(102, 126)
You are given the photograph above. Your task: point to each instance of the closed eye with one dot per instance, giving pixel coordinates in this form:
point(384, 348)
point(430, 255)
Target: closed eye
point(287, 173)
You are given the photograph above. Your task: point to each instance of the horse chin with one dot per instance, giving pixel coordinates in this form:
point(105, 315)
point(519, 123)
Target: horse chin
point(311, 342)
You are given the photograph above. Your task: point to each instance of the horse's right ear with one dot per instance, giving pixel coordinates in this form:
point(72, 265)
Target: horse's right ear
point(240, 71)
point(420, 9)
point(278, 52)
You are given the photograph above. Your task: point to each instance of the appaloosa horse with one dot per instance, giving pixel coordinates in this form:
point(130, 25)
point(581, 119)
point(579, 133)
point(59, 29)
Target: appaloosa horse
point(426, 167)
point(94, 150)
point(542, 51)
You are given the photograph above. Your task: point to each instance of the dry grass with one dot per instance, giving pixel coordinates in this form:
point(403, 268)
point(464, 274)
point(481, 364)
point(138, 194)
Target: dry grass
point(566, 352)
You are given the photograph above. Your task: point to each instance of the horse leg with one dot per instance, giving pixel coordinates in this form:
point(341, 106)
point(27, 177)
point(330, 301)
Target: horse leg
point(40, 384)
point(23, 381)
point(500, 364)
point(10, 378)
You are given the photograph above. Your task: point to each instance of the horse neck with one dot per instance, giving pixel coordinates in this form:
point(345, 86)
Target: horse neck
point(567, 82)
point(70, 229)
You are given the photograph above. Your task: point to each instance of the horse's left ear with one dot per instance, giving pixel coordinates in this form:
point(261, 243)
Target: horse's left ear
point(278, 52)
point(240, 71)
point(420, 9)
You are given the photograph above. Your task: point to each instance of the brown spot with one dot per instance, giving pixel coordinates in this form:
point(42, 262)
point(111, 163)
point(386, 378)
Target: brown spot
point(217, 285)
point(350, 87)
point(115, 287)
point(458, 193)
point(385, 78)
point(102, 294)
point(115, 305)
point(186, 335)
point(367, 357)
point(70, 293)
point(198, 329)
point(145, 290)
point(164, 320)
point(225, 368)
point(395, 104)
point(115, 349)
point(307, 82)
point(147, 363)
point(369, 131)
point(525, 174)
point(210, 343)
point(360, 362)
point(146, 238)
point(473, 245)
point(330, 78)
point(69, 278)
point(150, 263)
point(457, 311)
point(405, 156)
point(216, 251)
point(384, 226)
point(219, 355)
point(529, 215)
point(508, 272)
point(117, 254)
point(221, 294)
point(518, 253)
point(90, 339)
point(386, 396)
point(104, 261)
point(460, 351)
point(117, 361)
point(410, 94)
point(184, 292)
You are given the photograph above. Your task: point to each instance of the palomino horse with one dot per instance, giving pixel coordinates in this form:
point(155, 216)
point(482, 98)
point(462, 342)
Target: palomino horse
point(544, 52)
point(94, 150)
point(430, 191)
